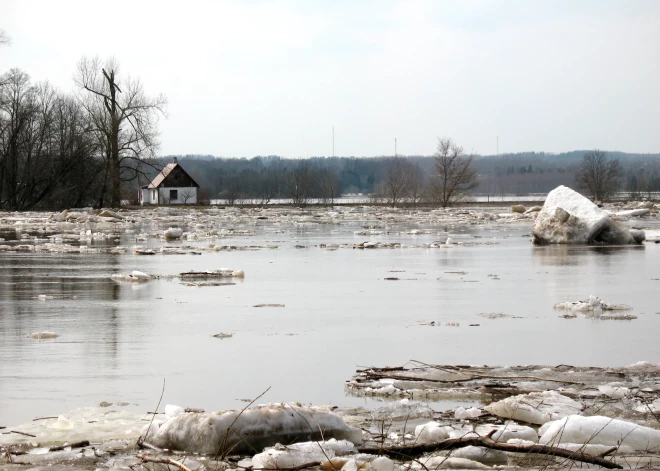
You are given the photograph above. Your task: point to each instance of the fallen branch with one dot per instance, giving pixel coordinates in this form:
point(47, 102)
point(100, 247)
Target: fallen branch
point(148, 446)
point(291, 468)
point(484, 376)
point(371, 375)
point(162, 459)
point(22, 433)
point(43, 418)
point(80, 444)
point(408, 451)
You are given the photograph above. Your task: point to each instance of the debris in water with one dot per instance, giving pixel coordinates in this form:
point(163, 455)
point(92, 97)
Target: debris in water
point(41, 335)
point(591, 304)
point(222, 335)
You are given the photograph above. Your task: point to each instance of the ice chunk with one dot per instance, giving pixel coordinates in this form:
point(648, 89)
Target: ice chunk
point(432, 432)
point(90, 423)
point(592, 304)
point(613, 390)
point(171, 410)
point(479, 454)
point(471, 413)
point(535, 408)
point(599, 430)
point(633, 212)
point(134, 277)
point(173, 233)
point(382, 463)
point(62, 423)
point(140, 275)
point(503, 433)
point(254, 428)
point(301, 453)
point(567, 217)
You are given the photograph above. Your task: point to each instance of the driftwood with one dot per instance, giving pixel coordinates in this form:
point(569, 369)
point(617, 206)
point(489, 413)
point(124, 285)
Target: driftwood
point(408, 451)
point(291, 468)
point(21, 433)
point(164, 460)
point(81, 444)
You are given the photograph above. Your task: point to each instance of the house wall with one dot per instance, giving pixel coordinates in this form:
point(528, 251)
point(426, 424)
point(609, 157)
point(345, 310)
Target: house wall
point(185, 195)
point(149, 196)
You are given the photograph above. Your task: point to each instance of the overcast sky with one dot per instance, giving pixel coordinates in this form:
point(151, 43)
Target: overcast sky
point(246, 78)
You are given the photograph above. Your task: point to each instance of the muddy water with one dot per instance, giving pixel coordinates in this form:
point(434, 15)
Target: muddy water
point(119, 341)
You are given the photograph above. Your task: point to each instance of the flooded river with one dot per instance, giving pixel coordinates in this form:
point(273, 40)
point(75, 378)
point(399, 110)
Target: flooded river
point(119, 341)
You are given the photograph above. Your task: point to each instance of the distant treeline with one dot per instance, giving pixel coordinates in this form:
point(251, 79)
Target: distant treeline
point(264, 178)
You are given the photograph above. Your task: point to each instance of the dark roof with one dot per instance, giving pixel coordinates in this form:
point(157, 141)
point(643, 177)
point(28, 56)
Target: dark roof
point(171, 176)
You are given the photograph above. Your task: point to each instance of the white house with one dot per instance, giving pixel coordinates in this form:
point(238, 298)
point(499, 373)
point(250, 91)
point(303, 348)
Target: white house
point(172, 185)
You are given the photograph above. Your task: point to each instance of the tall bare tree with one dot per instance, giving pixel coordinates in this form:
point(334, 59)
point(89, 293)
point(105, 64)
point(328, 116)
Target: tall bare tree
point(124, 117)
point(398, 182)
point(47, 153)
point(598, 176)
point(330, 185)
point(300, 183)
point(454, 176)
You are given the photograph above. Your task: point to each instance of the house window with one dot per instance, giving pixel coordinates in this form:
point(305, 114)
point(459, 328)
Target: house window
point(174, 195)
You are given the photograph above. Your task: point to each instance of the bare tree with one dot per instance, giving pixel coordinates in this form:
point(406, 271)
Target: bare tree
point(230, 195)
point(47, 154)
point(330, 184)
point(124, 117)
point(599, 177)
point(454, 176)
point(300, 183)
point(397, 182)
point(186, 195)
point(416, 184)
point(5, 40)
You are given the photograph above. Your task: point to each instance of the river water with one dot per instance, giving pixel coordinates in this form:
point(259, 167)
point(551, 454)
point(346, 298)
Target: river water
point(119, 342)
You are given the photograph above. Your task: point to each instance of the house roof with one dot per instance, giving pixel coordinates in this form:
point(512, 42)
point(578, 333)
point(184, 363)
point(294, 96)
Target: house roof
point(174, 169)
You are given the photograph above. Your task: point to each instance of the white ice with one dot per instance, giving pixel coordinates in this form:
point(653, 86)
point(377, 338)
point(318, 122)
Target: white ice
point(567, 217)
point(300, 453)
point(470, 413)
point(255, 428)
point(535, 408)
point(599, 430)
point(432, 432)
point(88, 423)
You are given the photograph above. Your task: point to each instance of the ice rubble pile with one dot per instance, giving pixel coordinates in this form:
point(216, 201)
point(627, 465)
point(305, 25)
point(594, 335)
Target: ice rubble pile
point(135, 276)
point(433, 431)
point(536, 407)
point(278, 457)
point(255, 428)
point(593, 303)
point(88, 423)
point(567, 217)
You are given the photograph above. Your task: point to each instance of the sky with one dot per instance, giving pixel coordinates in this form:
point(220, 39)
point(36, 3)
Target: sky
point(247, 78)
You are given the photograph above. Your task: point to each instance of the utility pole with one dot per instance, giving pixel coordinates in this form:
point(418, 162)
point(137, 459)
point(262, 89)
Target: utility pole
point(498, 145)
point(395, 147)
point(333, 141)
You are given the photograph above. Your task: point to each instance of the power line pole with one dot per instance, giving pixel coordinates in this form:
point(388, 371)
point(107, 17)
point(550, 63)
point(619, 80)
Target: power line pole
point(333, 141)
point(498, 145)
point(395, 147)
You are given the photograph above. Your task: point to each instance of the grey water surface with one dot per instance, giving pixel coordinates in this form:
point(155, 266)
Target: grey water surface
point(119, 341)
